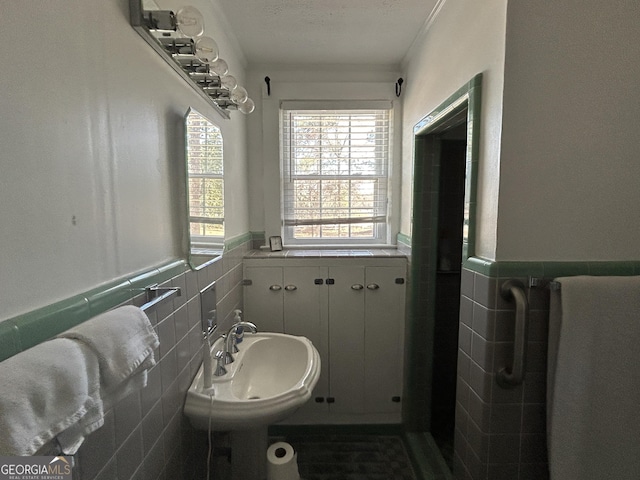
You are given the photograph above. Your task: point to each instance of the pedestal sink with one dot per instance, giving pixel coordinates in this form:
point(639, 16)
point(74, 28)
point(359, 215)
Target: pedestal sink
point(272, 376)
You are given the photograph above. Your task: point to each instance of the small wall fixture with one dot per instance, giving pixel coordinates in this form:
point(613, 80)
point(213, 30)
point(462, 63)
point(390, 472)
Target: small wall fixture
point(267, 80)
point(399, 86)
point(178, 39)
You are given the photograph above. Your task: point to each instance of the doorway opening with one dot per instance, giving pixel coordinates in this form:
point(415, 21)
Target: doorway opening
point(444, 190)
point(452, 144)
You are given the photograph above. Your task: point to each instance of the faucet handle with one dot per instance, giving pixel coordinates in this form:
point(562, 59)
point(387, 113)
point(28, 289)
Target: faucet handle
point(220, 370)
point(226, 347)
point(231, 341)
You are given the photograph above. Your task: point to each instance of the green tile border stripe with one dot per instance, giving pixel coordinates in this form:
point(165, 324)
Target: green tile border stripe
point(545, 268)
point(9, 339)
point(551, 269)
point(237, 241)
point(404, 239)
point(257, 235)
point(24, 331)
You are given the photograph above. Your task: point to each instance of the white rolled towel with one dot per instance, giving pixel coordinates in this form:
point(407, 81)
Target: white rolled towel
point(49, 391)
point(123, 339)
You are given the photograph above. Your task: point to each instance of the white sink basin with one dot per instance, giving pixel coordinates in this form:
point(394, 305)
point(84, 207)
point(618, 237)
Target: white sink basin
point(272, 376)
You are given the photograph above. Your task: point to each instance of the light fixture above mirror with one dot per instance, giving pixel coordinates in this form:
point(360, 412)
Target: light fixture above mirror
point(178, 38)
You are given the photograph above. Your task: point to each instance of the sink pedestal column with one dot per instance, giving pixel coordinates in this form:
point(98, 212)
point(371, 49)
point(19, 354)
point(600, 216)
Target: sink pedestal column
point(249, 454)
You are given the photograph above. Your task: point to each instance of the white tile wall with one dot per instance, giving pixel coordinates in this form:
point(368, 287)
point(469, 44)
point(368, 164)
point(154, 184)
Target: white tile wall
point(146, 436)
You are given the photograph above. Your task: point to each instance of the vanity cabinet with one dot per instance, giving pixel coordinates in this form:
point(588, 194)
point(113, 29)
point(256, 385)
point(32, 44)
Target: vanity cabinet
point(353, 310)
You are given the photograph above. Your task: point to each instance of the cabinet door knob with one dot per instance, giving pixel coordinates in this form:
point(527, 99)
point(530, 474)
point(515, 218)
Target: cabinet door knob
point(275, 288)
point(357, 286)
point(373, 286)
point(290, 288)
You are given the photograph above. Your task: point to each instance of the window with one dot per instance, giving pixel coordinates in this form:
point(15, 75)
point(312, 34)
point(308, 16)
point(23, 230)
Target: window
point(206, 183)
point(335, 176)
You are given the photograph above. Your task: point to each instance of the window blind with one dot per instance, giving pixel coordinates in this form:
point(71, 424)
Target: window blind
point(335, 174)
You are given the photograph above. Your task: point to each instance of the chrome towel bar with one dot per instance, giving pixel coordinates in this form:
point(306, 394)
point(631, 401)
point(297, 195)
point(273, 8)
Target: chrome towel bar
point(155, 295)
point(508, 378)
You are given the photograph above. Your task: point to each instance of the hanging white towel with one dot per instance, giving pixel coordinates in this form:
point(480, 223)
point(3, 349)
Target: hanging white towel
point(593, 395)
point(123, 339)
point(48, 391)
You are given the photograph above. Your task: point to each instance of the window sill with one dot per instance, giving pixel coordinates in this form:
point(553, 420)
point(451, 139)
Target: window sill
point(328, 252)
point(329, 246)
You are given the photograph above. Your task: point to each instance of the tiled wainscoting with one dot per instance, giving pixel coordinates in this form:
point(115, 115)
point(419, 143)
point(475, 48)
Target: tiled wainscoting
point(500, 434)
point(146, 436)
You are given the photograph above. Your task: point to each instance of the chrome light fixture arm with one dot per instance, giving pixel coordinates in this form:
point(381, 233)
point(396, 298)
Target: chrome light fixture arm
point(190, 55)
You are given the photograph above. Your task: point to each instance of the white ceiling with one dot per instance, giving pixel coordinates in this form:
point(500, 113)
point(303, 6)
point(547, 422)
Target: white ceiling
point(352, 32)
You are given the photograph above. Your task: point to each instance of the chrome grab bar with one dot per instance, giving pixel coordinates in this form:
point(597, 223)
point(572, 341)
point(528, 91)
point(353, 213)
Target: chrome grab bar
point(506, 377)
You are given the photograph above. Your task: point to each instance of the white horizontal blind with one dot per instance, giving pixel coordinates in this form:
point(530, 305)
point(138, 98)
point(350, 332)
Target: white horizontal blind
point(335, 175)
point(205, 177)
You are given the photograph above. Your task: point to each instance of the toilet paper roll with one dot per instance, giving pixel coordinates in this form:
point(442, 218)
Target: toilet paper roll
point(282, 462)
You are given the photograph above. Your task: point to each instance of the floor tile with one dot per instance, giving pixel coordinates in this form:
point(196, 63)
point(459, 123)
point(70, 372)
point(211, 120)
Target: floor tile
point(350, 457)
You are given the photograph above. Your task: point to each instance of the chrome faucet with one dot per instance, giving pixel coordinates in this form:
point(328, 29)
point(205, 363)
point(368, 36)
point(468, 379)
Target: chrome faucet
point(225, 356)
point(230, 346)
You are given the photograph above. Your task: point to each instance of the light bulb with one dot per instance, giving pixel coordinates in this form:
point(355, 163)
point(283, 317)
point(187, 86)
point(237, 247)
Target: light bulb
point(219, 67)
point(238, 95)
point(247, 106)
point(189, 21)
point(206, 49)
point(229, 82)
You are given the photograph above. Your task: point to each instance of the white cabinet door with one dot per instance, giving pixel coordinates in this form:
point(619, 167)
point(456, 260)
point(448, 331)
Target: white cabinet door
point(366, 334)
point(263, 299)
point(305, 314)
point(384, 337)
point(303, 288)
point(346, 339)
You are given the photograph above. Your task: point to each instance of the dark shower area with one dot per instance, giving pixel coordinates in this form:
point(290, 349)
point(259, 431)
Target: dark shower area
point(447, 291)
point(439, 199)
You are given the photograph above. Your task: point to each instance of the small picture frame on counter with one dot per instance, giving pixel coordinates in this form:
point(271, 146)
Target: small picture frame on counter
point(275, 243)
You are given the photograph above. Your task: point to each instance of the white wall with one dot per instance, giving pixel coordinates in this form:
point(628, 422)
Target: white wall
point(304, 83)
point(91, 179)
point(570, 146)
point(466, 38)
